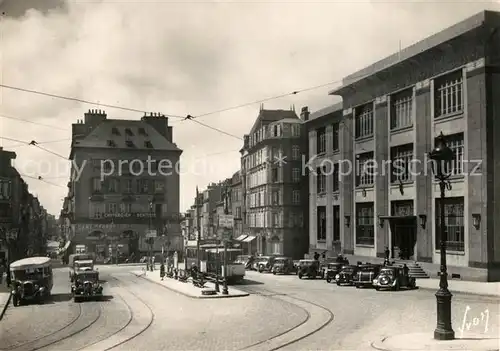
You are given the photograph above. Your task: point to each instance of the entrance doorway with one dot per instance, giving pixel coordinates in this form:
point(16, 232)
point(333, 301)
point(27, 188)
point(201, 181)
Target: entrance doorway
point(404, 238)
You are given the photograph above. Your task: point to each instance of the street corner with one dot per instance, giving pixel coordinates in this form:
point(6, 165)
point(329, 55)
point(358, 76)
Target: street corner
point(425, 341)
point(188, 289)
point(4, 303)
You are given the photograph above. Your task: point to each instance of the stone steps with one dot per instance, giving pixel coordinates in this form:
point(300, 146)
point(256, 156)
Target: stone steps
point(414, 269)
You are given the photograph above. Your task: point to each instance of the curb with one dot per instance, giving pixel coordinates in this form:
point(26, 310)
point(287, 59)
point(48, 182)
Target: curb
point(378, 345)
point(4, 309)
point(193, 296)
point(460, 292)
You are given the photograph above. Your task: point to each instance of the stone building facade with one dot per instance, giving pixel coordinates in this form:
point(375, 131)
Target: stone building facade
point(124, 182)
point(392, 113)
point(274, 188)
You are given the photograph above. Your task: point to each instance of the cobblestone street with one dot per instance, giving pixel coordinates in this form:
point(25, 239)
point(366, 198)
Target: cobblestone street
point(282, 312)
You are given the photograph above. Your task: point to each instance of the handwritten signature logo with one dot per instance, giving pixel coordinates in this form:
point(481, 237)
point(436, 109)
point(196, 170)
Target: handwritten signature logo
point(478, 321)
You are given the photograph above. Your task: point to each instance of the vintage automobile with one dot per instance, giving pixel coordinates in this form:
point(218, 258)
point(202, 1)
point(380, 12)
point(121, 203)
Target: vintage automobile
point(365, 275)
point(86, 286)
point(308, 268)
point(345, 277)
point(323, 265)
point(393, 278)
point(283, 265)
point(74, 258)
point(265, 263)
point(332, 270)
point(31, 280)
point(84, 265)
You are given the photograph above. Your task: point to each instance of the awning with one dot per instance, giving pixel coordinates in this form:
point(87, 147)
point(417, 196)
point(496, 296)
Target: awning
point(249, 239)
point(241, 237)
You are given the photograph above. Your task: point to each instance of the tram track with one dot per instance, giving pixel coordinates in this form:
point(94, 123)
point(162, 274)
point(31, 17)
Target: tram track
point(275, 295)
point(44, 341)
point(120, 330)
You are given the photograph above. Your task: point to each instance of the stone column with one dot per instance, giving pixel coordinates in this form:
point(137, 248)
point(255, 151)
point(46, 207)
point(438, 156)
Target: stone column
point(423, 179)
point(346, 131)
point(381, 152)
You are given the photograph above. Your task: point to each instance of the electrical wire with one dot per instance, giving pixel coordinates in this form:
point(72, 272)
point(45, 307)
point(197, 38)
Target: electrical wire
point(39, 178)
point(21, 144)
point(35, 144)
point(83, 101)
point(32, 122)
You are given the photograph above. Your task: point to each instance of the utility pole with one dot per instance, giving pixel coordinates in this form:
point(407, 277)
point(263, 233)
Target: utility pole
point(198, 227)
point(226, 212)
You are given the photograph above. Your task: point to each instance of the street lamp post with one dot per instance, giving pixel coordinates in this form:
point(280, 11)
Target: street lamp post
point(441, 156)
point(226, 212)
point(151, 240)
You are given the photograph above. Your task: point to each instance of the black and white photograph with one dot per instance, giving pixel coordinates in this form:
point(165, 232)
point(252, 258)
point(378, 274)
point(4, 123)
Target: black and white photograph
point(260, 175)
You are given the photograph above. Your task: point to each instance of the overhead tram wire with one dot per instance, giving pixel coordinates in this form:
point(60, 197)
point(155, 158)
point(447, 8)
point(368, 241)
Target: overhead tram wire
point(21, 144)
point(83, 101)
point(187, 117)
point(35, 144)
point(41, 179)
point(32, 122)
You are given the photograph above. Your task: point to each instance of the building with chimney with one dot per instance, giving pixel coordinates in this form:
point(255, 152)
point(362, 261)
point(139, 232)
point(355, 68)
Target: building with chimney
point(124, 184)
point(392, 111)
point(274, 186)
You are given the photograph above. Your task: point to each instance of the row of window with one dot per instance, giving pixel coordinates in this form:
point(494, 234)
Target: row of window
point(365, 222)
point(275, 130)
point(274, 156)
point(127, 186)
point(448, 100)
point(321, 138)
point(134, 166)
point(267, 219)
point(128, 131)
point(402, 166)
point(274, 198)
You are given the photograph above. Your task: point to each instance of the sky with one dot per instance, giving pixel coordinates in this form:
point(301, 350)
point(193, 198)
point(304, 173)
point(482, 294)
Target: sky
point(183, 58)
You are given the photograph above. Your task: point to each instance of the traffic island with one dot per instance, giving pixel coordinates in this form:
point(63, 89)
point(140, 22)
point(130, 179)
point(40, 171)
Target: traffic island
point(187, 288)
point(425, 341)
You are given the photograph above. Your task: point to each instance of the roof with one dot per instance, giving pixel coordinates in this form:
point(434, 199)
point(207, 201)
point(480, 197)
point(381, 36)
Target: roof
point(30, 262)
point(326, 111)
point(103, 132)
point(426, 44)
point(269, 116)
point(84, 261)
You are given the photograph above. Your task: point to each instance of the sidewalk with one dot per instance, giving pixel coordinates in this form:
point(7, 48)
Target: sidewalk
point(425, 341)
point(461, 286)
point(187, 289)
point(4, 298)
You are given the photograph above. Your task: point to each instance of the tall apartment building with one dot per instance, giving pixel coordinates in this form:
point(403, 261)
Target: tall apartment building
point(124, 181)
point(274, 191)
point(393, 111)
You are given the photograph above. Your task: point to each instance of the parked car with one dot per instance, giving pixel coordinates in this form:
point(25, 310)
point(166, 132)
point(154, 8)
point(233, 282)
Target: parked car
point(323, 265)
point(393, 278)
point(365, 275)
point(332, 270)
point(265, 263)
point(309, 269)
point(346, 275)
point(283, 265)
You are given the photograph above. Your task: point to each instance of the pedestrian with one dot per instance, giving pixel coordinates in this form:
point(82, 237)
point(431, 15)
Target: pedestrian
point(387, 253)
point(8, 279)
point(323, 256)
point(316, 256)
point(162, 270)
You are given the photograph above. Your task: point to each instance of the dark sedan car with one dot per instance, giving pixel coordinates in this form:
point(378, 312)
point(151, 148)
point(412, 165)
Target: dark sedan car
point(283, 265)
point(332, 270)
point(346, 275)
point(393, 278)
point(365, 275)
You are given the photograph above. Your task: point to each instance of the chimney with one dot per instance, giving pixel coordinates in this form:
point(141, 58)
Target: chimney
point(94, 117)
point(159, 123)
point(304, 114)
